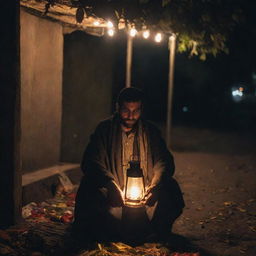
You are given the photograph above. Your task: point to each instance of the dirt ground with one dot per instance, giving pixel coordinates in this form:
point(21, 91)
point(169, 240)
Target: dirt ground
point(217, 174)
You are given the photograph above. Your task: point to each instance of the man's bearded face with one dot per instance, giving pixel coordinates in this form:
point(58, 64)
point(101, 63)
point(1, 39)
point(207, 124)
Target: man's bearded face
point(130, 112)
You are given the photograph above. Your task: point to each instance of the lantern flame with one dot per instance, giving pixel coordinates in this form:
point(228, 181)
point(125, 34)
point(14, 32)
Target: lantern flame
point(135, 189)
point(135, 193)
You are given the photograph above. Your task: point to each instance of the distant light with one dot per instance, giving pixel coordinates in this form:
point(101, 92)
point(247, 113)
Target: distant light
point(158, 37)
point(110, 24)
point(237, 93)
point(133, 32)
point(111, 32)
point(146, 34)
point(185, 109)
point(96, 23)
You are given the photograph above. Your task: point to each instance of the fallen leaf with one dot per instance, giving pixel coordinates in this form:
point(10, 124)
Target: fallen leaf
point(61, 205)
point(252, 228)
point(240, 209)
point(228, 203)
point(121, 246)
point(99, 246)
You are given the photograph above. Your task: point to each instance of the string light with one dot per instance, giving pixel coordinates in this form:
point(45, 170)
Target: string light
point(111, 32)
point(110, 24)
point(121, 24)
point(146, 34)
point(133, 32)
point(96, 23)
point(172, 37)
point(158, 37)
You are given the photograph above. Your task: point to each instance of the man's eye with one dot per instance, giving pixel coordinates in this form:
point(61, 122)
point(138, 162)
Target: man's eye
point(137, 111)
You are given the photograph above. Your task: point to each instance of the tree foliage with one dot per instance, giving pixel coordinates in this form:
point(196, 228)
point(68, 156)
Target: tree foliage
point(202, 26)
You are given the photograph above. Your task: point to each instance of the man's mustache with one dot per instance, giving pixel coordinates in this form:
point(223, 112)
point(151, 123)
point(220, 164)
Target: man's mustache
point(130, 120)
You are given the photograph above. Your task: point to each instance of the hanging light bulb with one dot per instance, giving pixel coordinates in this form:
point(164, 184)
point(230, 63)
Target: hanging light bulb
point(96, 23)
point(146, 34)
point(121, 24)
point(158, 37)
point(133, 32)
point(110, 24)
point(111, 32)
point(172, 37)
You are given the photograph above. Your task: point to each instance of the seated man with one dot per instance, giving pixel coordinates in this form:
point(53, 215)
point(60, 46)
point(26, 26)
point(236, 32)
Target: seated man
point(99, 206)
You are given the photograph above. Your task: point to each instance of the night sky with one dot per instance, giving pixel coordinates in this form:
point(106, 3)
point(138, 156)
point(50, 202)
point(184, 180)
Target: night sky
point(202, 89)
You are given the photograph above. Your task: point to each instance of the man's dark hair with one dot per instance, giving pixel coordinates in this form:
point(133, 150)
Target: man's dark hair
point(130, 94)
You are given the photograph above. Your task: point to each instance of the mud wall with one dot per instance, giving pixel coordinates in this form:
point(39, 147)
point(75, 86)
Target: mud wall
point(41, 91)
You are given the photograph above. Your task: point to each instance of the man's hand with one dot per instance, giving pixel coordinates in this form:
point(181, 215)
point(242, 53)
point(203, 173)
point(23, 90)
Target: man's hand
point(114, 195)
point(152, 194)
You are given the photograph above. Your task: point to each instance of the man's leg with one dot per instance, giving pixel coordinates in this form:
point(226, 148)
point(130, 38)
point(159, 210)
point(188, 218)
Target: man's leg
point(94, 218)
point(169, 207)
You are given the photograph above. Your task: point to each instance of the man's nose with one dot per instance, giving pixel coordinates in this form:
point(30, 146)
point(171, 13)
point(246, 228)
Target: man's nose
point(130, 115)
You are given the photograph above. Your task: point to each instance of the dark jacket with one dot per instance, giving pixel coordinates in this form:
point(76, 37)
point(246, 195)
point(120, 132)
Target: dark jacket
point(102, 158)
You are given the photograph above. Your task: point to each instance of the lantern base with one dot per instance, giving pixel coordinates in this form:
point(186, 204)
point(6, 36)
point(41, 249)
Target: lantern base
point(134, 204)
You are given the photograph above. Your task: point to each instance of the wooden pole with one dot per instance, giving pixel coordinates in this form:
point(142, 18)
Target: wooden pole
point(129, 60)
point(171, 46)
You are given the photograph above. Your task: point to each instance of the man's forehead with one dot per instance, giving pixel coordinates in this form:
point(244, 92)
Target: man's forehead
point(131, 104)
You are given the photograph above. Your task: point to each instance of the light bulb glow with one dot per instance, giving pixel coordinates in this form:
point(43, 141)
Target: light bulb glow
point(237, 93)
point(172, 37)
point(96, 23)
point(146, 34)
point(133, 32)
point(121, 24)
point(110, 24)
point(111, 32)
point(158, 37)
